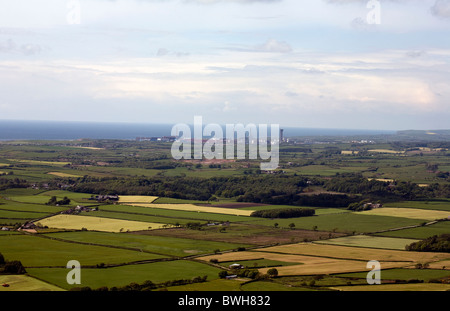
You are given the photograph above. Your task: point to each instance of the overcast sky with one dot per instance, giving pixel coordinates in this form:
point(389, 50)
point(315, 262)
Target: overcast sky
point(303, 63)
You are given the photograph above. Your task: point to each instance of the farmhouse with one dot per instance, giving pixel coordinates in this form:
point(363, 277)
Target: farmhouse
point(236, 266)
point(102, 198)
point(372, 205)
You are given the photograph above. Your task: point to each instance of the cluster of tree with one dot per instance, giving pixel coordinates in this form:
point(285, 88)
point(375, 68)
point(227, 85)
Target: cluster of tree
point(385, 191)
point(284, 213)
point(316, 200)
point(192, 188)
point(11, 267)
point(145, 286)
point(364, 205)
point(246, 273)
point(6, 183)
point(436, 243)
point(54, 201)
point(249, 273)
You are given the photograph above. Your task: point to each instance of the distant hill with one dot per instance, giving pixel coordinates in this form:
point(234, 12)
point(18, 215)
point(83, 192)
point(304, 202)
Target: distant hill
point(426, 135)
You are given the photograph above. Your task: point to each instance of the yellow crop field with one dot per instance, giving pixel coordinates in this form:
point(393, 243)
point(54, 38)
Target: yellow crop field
point(357, 253)
point(381, 179)
point(396, 287)
point(307, 265)
point(330, 267)
point(413, 213)
point(40, 162)
point(136, 199)
point(195, 208)
point(25, 283)
point(77, 222)
point(90, 148)
point(386, 151)
point(59, 174)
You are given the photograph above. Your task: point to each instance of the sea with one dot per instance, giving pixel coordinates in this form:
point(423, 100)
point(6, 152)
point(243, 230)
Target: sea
point(73, 130)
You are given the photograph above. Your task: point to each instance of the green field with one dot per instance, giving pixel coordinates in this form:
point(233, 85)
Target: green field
point(160, 245)
point(157, 272)
point(174, 236)
point(370, 241)
point(342, 222)
point(422, 232)
point(404, 274)
point(442, 205)
point(25, 283)
point(35, 251)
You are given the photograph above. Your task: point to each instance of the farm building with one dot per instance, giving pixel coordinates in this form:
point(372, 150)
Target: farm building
point(236, 266)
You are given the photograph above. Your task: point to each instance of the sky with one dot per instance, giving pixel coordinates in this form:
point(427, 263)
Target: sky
point(346, 64)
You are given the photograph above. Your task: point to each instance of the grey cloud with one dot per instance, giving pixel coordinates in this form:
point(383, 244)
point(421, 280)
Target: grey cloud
point(274, 46)
point(441, 9)
point(9, 46)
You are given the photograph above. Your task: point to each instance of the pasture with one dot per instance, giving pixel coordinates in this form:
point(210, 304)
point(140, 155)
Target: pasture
point(170, 246)
point(370, 242)
point(25, 283)
point(412, 213)
point(35, 251)
point(157, 272)
point(136, 199)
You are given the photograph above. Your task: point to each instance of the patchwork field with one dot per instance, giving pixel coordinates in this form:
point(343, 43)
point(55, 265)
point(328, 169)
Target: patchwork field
point(356, 253)
point(59, 174)
point(34, 251)
point(307, 265)
point(25, 283)
point(37, 162)
point(136, 199)
point(395, 287)
point(169, 246)
point(77, 222)
point(412, 213)
point(156, 272)
point(196, 208)
point(370, 242)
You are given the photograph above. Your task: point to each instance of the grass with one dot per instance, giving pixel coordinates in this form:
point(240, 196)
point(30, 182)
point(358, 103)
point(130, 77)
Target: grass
point(25, 283)
point(37, 162)
point(162, 245)
point(396, 287)
point(157, 272)
point(259, 263)
point(214, 285)
point(35, 251)
point(421, 232)
point(404, 274)
point(356, 253)
point(60, 174)
point(196, 208)
point(443, 205)
point(370, 241)
point(172, 213)
point(341, 222)
point(412, 213)
point(162, 200)
point(77, 222)
point(136, 199)
point(270, 286)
